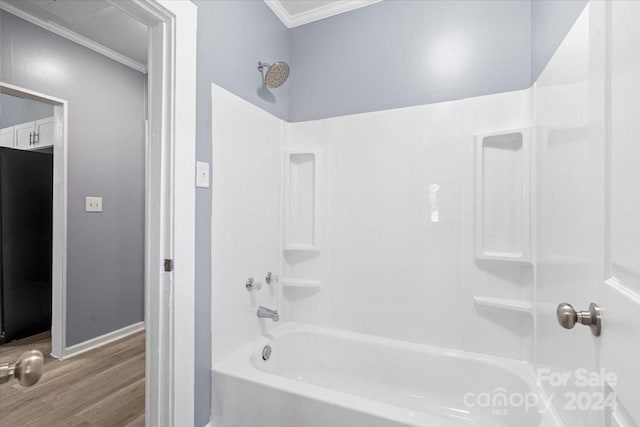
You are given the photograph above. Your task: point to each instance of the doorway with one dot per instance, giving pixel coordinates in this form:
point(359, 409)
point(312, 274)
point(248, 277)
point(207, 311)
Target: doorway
point(169, 208)
point(55, 143)
point(43, 230)
point(26, 197)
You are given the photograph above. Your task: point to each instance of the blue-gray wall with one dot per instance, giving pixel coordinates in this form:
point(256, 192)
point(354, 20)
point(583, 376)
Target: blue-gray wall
point(105, 252)
point(15, 110)
point(232, 37)
point(551, 20)
point(401, 53)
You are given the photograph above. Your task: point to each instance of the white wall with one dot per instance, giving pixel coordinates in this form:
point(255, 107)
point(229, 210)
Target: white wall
point(245, 218)
point(385, 268)
point(388, 269)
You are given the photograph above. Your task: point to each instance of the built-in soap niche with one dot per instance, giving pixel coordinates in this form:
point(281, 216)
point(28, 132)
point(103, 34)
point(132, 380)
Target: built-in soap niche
point(503, 195)
point(302, 266)
point(301, 201)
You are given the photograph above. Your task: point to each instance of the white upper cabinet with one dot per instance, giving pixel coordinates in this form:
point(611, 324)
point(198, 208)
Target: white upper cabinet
point(43, 133)
point(6, 137)
point(28, 136)
point(24, 135)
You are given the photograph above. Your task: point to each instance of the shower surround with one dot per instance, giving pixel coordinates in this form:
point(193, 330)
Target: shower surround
point(342, 210)
point(381, 265)
point(450, 228)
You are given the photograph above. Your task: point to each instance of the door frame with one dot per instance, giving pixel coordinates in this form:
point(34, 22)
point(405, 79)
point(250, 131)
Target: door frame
point(59, 238)
point(169, 210)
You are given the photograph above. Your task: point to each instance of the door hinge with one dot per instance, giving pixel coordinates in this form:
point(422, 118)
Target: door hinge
point(168, 265)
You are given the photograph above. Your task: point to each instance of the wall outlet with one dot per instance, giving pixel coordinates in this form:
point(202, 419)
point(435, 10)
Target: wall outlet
point(93, 204)
point(202, 174)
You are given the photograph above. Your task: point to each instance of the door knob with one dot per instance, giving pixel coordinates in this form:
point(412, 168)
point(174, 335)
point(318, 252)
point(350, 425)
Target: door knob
point(568, 317)
point(27, 370)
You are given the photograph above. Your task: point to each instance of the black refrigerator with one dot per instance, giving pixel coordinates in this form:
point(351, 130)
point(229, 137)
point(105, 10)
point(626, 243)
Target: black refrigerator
point(26, 213)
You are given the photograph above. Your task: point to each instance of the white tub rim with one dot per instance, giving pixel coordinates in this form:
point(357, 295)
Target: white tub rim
point(238, 365)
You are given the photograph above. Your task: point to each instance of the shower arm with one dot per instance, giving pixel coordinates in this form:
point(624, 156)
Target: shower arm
point(261, 67)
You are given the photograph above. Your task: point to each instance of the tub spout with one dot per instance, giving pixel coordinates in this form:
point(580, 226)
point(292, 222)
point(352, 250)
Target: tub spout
point(267, 313)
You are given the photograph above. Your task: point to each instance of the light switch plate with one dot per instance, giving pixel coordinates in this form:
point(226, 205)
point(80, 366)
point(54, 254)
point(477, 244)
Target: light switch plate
point(202, 174)
point(93, 204)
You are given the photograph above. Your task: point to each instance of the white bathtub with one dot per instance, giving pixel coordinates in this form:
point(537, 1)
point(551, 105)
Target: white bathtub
point(318, 377)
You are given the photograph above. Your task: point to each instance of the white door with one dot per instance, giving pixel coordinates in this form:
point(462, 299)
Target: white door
point(588, 217)
point(620, 299)
point(24, 135)
point(43, 133)
point(6, 137)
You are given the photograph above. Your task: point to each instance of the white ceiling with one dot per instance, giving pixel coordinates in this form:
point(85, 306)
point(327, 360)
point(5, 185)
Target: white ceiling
point(298, 12)
point(296, 7)
point(97, 20)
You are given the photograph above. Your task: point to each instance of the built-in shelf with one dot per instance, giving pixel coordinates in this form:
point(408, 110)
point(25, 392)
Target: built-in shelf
point(503, 195)
point(494, 257)
point(302, 265)
point(301, 200)
point(289, 282)
point(301, 249)
point(505, 304)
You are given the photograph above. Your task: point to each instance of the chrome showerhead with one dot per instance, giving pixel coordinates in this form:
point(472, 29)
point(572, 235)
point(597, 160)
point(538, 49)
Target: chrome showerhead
point(276, 74)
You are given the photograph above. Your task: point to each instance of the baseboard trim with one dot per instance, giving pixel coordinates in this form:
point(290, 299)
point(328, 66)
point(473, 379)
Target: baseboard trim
point(96, 342)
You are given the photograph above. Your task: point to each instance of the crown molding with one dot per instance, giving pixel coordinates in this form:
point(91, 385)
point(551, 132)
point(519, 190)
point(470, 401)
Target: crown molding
point(74, 37)
point(317, 14)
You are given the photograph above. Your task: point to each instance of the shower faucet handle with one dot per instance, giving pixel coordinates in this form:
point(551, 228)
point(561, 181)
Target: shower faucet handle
point(568, 317)
point(252, 285)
